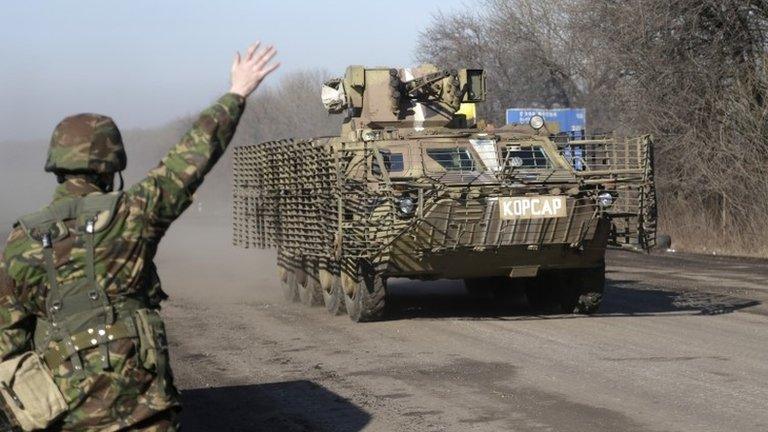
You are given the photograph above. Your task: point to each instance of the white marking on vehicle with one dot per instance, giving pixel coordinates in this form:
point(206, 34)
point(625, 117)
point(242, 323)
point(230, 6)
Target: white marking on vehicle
point(418, 109)
point(532, 207)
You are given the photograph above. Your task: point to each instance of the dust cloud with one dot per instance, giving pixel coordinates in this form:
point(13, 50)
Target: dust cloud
point(289, 108)
point(198, 246)
point(25, 187)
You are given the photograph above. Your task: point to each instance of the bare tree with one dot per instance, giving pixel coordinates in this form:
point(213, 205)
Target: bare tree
point(693, 72)
point(536, 54)
point(695, 75)
point(292, 109)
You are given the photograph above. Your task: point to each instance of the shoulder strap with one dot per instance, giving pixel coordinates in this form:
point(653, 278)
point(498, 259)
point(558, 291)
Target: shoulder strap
point(49, 221)
point(92, 214)
point(98, 208)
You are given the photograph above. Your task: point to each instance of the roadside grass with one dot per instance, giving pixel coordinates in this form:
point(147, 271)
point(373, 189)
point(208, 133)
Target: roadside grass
point(697, 232)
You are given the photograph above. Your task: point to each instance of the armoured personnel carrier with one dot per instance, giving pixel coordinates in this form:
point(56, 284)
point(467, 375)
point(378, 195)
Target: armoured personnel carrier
point(415, 187)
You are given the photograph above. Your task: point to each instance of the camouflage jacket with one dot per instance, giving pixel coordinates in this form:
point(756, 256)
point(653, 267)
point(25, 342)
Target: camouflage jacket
point(126, 394)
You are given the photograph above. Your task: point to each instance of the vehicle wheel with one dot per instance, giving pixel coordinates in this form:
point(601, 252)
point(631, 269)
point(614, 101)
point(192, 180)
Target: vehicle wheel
point(503, 290)
point(542, 292)
point(289, 285)
point(506, 291)
point(567, 287)
point(309, 286)
point(367, 301)
point(592, 283)
point(334, 297)
point(481, 287)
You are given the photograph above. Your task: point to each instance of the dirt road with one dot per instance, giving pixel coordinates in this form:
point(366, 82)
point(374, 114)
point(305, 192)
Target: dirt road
point(680, 344)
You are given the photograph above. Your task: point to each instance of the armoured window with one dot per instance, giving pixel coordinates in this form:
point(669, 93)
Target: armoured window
point(452, 159)
point(393, 161)
point(525, 157)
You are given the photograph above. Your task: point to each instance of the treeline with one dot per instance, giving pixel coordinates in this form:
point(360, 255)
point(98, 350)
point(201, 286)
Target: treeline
point(694, 73)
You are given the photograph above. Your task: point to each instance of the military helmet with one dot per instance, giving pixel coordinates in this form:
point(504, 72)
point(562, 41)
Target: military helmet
point(86, 144)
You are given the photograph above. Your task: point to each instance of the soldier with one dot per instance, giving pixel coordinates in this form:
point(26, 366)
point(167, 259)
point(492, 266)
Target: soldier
point(81, 341)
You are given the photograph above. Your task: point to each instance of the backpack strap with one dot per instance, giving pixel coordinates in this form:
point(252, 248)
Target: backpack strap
point(80, 303)
point(101, 337)
point(45, 221)
point(97, 212)
point(47, 226)
point(97, 292)
point(53, 307)
point(100, 208)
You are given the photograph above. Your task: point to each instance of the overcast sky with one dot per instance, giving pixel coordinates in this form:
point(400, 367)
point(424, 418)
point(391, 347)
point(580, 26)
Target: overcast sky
point(147, 62)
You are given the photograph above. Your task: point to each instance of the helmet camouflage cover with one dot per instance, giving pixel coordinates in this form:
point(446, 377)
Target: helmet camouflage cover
point(86, 144)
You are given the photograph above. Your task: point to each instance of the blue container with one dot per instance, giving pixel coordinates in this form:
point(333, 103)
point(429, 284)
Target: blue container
point(571, 120)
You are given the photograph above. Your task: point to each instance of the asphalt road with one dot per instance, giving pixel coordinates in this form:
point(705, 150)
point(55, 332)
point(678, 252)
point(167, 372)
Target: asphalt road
point(680, 344)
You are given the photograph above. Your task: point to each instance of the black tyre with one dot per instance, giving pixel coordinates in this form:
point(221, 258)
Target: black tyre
point(503, 290)
point(310, 293)
point(509, 292)
point(481, 287)
point(568, 291)
point(542, 293)
point(368, 300)
point(289, 285)
point(334, 298)
point(592, 287)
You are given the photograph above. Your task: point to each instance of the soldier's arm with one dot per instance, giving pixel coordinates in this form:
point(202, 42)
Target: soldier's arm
point(16, 322)
point(167, 191)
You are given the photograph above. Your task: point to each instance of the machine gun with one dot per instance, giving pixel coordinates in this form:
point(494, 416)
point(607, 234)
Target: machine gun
point(419, 98)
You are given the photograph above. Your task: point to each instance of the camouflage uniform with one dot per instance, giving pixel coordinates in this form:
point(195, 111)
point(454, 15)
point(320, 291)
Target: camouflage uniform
point(127, 395)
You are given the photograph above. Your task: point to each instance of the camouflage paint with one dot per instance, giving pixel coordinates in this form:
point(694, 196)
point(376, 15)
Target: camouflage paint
point(86, 143)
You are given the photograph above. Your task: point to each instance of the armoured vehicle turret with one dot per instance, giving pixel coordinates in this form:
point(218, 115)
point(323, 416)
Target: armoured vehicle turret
point(416, 187)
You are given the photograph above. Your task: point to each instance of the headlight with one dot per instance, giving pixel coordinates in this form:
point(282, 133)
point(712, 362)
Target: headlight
point(406, 206)
point(536, 122)
point(368, 135)
point(605, 200)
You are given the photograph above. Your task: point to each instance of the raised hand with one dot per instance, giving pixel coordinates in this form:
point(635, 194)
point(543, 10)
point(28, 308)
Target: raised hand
point(248, 72)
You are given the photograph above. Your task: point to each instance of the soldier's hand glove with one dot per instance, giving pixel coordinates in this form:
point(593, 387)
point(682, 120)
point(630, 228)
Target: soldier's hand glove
point(247, 73)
